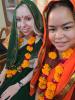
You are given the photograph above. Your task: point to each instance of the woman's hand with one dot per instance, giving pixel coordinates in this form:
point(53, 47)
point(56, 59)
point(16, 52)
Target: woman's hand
point(10, 92)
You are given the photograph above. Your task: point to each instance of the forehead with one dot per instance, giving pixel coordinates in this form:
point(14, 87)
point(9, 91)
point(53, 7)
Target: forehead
point(60, 15)
point(23, 10)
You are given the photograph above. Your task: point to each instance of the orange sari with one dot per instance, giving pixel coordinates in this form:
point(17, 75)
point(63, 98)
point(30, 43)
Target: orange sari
point(69, 69)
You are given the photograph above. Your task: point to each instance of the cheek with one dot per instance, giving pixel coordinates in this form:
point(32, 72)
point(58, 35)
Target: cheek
point(51, 37)
point(31, 23)
point(70, 35)
point(72, 38)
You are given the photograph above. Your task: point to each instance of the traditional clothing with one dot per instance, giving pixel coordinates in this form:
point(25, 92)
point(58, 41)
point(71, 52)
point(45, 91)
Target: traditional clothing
point(3, 53)
point(53, 86)
point(16, 54)
point(2, 49)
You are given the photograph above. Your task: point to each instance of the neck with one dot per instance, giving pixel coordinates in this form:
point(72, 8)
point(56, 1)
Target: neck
point(22, 35)
point(32, 33)
point(66, 53)
point(28, 37)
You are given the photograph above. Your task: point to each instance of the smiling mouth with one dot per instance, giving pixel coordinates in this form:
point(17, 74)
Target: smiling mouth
point(26, 30)
point(58, 42)
point(61, 43)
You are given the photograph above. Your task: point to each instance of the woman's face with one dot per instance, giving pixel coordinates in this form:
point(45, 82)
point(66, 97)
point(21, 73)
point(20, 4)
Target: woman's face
point(25, 21)
point(61, 28)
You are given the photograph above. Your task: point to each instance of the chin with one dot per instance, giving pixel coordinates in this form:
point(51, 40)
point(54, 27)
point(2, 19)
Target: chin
point(62, 49)
point(26, 34)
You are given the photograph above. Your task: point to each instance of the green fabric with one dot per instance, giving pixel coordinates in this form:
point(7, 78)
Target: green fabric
point(22, 52)
point(13, 45)
point(15, 56)
point(23, 93)
point(13, 42)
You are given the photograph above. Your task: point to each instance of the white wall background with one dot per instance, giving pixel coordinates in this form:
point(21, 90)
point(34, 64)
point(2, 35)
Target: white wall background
point(2, 19)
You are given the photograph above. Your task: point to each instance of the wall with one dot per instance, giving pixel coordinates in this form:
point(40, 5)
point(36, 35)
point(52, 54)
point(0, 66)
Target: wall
point(2, 19)
point(41, 4)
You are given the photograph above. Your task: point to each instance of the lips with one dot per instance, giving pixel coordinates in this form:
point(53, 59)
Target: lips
point(61, 44)
point(26, 30)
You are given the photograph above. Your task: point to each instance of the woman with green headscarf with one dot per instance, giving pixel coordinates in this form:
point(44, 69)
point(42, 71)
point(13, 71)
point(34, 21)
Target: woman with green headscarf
point(24, 44)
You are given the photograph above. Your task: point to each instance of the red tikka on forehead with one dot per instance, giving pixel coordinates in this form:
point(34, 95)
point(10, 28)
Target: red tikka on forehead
point(28, 16)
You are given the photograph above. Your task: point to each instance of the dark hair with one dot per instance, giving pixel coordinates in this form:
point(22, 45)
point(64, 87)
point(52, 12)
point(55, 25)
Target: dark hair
point(54, 4)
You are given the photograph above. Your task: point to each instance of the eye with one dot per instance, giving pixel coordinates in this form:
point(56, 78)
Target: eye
point(18, 19)
point(51, 30)
point(28, 18)
point(67, 27)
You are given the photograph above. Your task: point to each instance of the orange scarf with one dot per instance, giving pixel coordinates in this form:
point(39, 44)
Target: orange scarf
point(69, 68)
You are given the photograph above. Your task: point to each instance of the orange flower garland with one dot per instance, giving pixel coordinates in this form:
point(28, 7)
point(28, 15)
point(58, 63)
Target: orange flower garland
point(47, 88)
point(67, 53)
point(52, 55)
point(20, 40)
point(25, 62)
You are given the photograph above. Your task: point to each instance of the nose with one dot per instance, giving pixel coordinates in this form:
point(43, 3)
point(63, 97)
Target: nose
point(23, 24)
point(59, 33)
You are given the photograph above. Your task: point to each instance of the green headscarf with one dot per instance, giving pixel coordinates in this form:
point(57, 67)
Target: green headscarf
point(13, 42)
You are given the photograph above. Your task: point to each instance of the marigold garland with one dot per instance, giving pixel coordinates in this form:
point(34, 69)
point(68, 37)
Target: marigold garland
point(67, 53)
point(47, 88)
point(52, 55)
point(31, 40)
point(46, 69)
point(20, 40)
point(29, 48)
point(27, 57)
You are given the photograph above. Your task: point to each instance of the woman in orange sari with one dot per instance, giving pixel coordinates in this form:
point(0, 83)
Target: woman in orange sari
point(57, 78)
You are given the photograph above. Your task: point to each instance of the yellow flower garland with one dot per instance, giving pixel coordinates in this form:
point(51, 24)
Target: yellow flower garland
point(67, 53)
point(27, 56)
point(29, 48)
point(20, 41)
point(46, 69)
point(52, 55)
point(47, 89)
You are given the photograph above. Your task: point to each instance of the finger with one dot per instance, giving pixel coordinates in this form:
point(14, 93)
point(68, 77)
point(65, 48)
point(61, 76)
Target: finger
point(9, 98)
point(4, 96)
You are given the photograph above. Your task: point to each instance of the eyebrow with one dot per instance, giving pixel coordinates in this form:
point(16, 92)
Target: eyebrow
point(71, 22)
point(25, 15)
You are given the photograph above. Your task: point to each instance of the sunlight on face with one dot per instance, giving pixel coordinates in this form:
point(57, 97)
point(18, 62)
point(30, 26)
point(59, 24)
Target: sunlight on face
point(61, 28)
point(25, 21)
